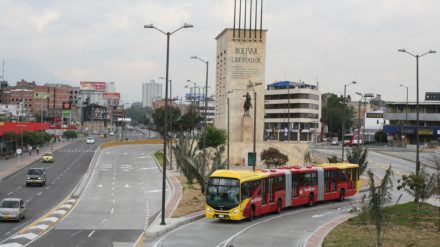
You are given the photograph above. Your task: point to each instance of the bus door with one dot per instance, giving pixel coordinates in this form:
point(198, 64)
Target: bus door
point(349, 177)
point(264, 192)
point(270, 189)
point(295, 185)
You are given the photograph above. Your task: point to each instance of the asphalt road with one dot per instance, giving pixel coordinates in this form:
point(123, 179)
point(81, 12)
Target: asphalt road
point(62, 176)
point(292, 227)
point(123, 193)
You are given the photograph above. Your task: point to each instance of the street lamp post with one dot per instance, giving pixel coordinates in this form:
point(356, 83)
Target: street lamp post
point(343, 119)
point(171, 123)
point(165, 132)
point(359, 118)
point(406, 109)
point(205, 98)
point(417, 56)
point(252, 86)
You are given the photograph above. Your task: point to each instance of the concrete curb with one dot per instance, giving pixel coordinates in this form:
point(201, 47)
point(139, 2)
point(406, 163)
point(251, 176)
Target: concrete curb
point(317, 238)
point(85, 178)
point(178, 222)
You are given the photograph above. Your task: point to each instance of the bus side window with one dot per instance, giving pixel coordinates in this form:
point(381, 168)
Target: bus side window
point(245, 190)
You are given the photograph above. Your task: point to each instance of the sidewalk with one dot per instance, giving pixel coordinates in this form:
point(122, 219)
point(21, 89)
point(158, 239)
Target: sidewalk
point(13, 165)
point(155, 229)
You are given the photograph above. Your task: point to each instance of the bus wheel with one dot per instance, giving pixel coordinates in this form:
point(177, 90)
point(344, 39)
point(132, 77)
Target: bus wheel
point(310, 203)
point(342, 195)
point(278, 206)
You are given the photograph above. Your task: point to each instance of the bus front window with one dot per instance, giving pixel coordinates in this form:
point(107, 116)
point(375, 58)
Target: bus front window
point(223, 193)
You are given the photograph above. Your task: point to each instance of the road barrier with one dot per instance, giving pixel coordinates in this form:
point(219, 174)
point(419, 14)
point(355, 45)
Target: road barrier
point(133, 142)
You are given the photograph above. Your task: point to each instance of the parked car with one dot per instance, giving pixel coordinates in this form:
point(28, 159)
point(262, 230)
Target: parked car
point(47, 157)
point(12, 209)
point(111, 133)
point(90, 140)
point(335, 141)
point(36, 176)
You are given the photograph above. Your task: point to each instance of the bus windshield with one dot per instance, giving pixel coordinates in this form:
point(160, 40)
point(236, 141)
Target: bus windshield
point(223, 193)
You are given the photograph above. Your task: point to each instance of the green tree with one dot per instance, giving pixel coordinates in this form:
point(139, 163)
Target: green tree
point(215, 139)
point(371, 209)
point(380, 137)
point(358, 155)
point(333, 159)
point(334, 112)
point(273, 157)
point(70, 134)
point(139, 114)
point(159, 119)
point(189, 121)
point(421, 186)
point(307, 157)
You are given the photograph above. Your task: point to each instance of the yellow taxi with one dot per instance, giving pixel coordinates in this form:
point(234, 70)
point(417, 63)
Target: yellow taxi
point(47, 157)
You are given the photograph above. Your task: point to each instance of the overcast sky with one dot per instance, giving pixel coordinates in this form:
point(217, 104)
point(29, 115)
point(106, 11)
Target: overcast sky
point(333, 42)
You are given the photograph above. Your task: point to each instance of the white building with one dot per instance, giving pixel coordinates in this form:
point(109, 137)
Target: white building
point(150, 92)
point(292, 111)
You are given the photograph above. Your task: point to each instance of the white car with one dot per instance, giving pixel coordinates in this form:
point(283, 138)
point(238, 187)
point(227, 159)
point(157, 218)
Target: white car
point(111, 133)
point(90, 140)
point(12, 209)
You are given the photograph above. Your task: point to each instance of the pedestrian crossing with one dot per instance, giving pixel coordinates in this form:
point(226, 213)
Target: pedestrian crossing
point(75, 151)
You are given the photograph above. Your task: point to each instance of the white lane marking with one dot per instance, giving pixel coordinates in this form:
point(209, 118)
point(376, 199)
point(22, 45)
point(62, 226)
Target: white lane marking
point(111, 212)
point(320, 215)
point(10, 193)
point(154, 191)
point(143, 157)
point(127, 186)
point(41, 227)
point(52, 219)
point(39, 193)
point(99, 186)
point(28, 200)
point(91, 233)
point(104, 220)
point(125, 170)
point(11, 245)
point(71, 200)
point(29, 236)
point(149, 168)
point(62, 212)
point(66, 206)
point(19, 187)
point(113, 201)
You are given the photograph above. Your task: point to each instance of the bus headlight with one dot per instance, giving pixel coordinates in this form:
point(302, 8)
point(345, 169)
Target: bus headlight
point(235, 211)
point(209, 210)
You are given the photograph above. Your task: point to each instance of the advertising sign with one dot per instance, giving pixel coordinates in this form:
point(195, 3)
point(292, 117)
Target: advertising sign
point(67, 105)
point(112, 96)
point(374, 115)
point(92, 85)
point(41, 95)
point(66, 113)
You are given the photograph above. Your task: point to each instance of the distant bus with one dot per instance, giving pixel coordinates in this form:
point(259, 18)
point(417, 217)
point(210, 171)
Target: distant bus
point(353, 139)
point(238, 195)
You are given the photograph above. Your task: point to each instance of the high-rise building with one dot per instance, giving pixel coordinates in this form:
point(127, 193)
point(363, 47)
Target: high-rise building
point(150, 92)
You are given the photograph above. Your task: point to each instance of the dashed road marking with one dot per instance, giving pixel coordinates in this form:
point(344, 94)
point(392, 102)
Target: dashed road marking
point(29, 236)
point(51, 219)
point(11, 245)
point(41, 227)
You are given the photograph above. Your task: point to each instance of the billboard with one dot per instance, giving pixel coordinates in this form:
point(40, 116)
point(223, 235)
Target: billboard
point(41, 95)
point(112, 96)
point(67, 106)
point(92, 85)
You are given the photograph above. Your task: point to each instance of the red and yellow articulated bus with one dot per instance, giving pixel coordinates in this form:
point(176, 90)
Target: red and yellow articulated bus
point(238, 195)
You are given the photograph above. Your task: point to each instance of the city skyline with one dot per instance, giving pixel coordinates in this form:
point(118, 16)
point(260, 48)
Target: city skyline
point(332, 43)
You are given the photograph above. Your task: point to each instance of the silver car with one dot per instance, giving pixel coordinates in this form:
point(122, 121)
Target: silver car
point(12, 209)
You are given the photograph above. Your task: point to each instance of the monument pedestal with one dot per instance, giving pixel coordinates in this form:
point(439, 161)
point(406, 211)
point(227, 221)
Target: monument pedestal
point(246, 127)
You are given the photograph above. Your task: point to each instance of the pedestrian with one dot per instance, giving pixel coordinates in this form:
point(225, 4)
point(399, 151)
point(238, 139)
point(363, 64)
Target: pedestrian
point(38, 149)
point(30, 150)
